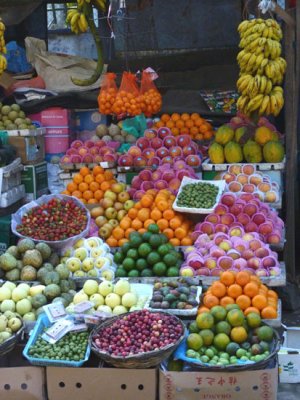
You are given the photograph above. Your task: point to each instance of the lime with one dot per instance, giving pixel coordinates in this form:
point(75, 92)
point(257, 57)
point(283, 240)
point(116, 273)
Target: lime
point(265, 333)
point(191, 353)
point(163, 249)
point(135, 239)
point(163, 238)
point(141, 264)
point(241, 353)
point(264, 345)
point(153, 258)
point(144, 249)
point(253, 320)
point(126, 246)
point(120, 273)
point(133, 273)
point(207, 336)
point(155, 241)
point(146, 236)
point(170, 260)
point(128, 264)
point(153, 228)
point(194, 341)
point(221, 341)
point(118, 257)
point(193, 328)
point(232, 348)
point(205, 320)
point(209, 353)
point(224, 355)
point(219, 313)
point(132, 253)
point(173, 271)
point(235, 317)
point(147, 272)
point(223, 327)
point(223, 361)
point(229, 307)
point(159, 269)
point(204, 359)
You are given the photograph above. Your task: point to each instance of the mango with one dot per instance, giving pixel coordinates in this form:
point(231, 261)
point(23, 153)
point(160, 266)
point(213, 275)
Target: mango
point(273, 152)
point(216, 153)
point(224, 134)
point(263, 135)
point(233, 153)
point(252, 152)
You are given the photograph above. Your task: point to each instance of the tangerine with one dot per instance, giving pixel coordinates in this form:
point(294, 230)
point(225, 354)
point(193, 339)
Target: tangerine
point(259, 301)
point(243, 301)
point(84, 171)
point(227, 277)
point(218, 289)
point(234, 290)
point(77, 178)
point(242, 278)
point(251, 289)
point(269, 313)
point(210, 301)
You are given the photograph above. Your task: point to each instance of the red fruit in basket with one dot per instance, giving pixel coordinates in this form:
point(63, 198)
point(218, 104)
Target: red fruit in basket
point(94, 150)
point(105, 150)
point(248, 169)
point(235, 169)
point(228, 177)
point(208, 228)
point(168, 175)
point(99, 143)
point(236, 209)
point(174, 184)
point(156, 143)
point(255, 244)
point(225, 262)
point(125, 160)
point(169, 141)
point(82, 151)
point(266, 228)
point(235, 187)
point(138, 195)
point(65, 159)
point(236, 231)
point(221, 228)
point(97, 158)
point(249, 188)
point(76, 144)
point(251, 227)
point(228, 199)
point(143, 143)
point(183, 140)
point(89, 144)
point(110, 157)
point(87, 159)
point(167, 160)
point(153, 162)
point(261, 252)
point(273, 238)
point(188, 150)
point(247, 254)
point(243, 219)
point(148, 153)
point(213, 218)
point(162, 152)
point(227, 219)
point(136, 182)
point(193, 161)
point(269, 262)
point(175, 151)
point(145, 175)
point(140, 161)
point(242, 179)
point(254, 263)
point(217, 252)
point(160, 185)
point(163, 132)
point(156, 175)
point(258, 218)
point(76, 159)
point(135, 151)
point(221, 209)
point(150, 133)
point(250, 209)
point(72, 151)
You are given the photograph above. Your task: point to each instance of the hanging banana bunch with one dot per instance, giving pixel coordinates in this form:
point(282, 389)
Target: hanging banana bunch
point(3, 62)
point(261, 67)
point(80, 20)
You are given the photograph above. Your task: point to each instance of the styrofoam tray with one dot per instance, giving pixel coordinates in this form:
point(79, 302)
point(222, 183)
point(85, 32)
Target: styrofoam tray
point(77, 166)
point(12, 196)
point(208, 166)
point(26, 132)
point(186, 181)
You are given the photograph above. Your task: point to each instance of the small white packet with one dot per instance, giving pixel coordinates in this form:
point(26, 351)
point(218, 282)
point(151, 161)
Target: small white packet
point(55, 311)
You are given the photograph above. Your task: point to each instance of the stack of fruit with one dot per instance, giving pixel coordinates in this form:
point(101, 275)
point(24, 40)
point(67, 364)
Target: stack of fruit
point(244, 178)
point(261, 67)
point(3, 62)
point(112, 208)
point(89, 258)
point(12, 117)
point(154, 208)
point(147, 254)
point(89, 186)
point(164, 177)
point(225, 336)
point(187, 124)
point(251, 144)
point(114, 133)
point(243, 289)
point(226, 252)
point(10, 323)
point(245, 212)
point(113, 298)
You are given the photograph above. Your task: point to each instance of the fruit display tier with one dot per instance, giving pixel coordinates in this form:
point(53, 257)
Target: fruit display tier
point(139, 169)
point(208, 166)
point(77, 166)
point(272, 281)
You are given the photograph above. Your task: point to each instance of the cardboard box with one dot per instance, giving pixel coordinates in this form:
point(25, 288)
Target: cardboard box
point(250, 385)
point(31, 149)
point(100, 383)
point(289, 356)
point(35, 179)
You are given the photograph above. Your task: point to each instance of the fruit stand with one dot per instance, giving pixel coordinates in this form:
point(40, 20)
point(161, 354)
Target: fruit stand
point(148, 258)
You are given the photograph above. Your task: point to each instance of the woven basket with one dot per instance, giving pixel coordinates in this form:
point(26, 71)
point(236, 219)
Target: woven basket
point(143, 360)
point(10, 343)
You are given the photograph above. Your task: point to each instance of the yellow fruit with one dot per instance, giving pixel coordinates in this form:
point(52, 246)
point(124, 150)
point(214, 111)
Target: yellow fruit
point(238, 334)
point(233, 153)
point(263, 135)
point(239, 133)
point(216, 153)
point(224, 134)
point(252, 152)
point(273, 152)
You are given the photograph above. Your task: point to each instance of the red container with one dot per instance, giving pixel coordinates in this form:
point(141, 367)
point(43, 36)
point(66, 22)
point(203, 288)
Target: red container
point(56, 144)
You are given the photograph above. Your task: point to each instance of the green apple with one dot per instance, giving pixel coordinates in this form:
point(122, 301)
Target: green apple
point(87, 264)
point(3, 323)
point(8, 305)
point(118, 310)
point(93, 242)
point(24, 286)
point(97, 299)
point(113, 222)
point(37, 289)
point(67, 252)
point(81, 253)
point(100, 262)
point(121, 214)
point(108, 274)
point(29, 317)
point(122, 287)
point(23, 306)
point(105, 309)
point(117, 187)
point(4, 336)
point(10, 285)
point(109, 194)
point(90, 287)
point(5, 293)
point(79, 274)
point(79, 243)
point(123, 197)
point(129, 300)
point(96, 252)
point(105, 288)
point(92, 273)
point(128, 205)
point(111, 213)
point(73, 264)
point(186, 271)
point(80, 297)
point(112, 300)
point(18, 294)
point(15, 323)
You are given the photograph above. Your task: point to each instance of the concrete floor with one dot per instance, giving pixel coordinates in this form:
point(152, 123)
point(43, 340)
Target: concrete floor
point(288, 391)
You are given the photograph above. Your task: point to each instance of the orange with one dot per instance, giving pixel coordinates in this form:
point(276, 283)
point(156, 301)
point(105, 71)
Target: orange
point(77, 194)
point(170, 124)
point(251, 289)
point(227, 277)
point(71, 187)
point(148, 222)
point(94, 186)
point(162, 205)
point(234, 290)
point(169, 233)
point(272, 294)
point(185, 116)
point(259, 301)
point(159, 124)
point(175, 222)
point(184, 131)
point(66, 192)
point(104, 186)
point(98, 194)
point(125, 223)
point(180, 233)
point(238, 334)
point(100, 178)
point(143, 214)
point(189, 123)
point(77, 178)
point(255, 278)
point(218, 289)
point(175, 117)
point(268, 313)
point(88, 194)
point(179, 124)
point(162, 224)
point(168, 214)
point(122, 241)
point(118, 233)
point(251, 309)
point(242, 278)
point(97, 170)
point(195, 116)
point(132, 213)
point(199, 121)
point(136, 224)
point(226, 300)
point(112, 242)
point(165, 118)
point(263, 288)
point(142, 230)
point(84, 171)
point(210, 301)
point(175, 131)
point(128, 232)
point(138, 205)
point(88, 178)
point(202, 309)
point(146, 201)
point(156, 214)
point(243, 301)
point(83, 186)
point(187, 241)
point(108, 175)
point(92, 201)
point(194, 131)
point(83, 201)
point(175, 242)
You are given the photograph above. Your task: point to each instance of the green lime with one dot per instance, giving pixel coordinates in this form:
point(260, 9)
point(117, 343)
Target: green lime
point(232, 307)
point(153, 258)
point(135, 239)
point(146, 236)
point(118, 257)
point(133, 273)
point(153, 228)
point(170, 260)
point(265, 333)
point(204, 359)
point(163, 238)
point(163, 250)
point(209, 353)
point(172, 272)
point(223, 327)
point(155, 241)
point(159, 269)
point(120, 272)
point(219, 313)
point(193, 328)
point(128, 264)
point(144, 249)
point(221, 341)
point(194, 341)
point(207, 336)
point(241, 353)
point(205, 320)
point(141, 264)
point(132, 253)
point(147, 273)
point(253, 320)
point(126, 246)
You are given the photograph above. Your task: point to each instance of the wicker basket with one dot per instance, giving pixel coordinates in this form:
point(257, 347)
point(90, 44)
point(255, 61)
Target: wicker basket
point(143, 360)
point(10, 343)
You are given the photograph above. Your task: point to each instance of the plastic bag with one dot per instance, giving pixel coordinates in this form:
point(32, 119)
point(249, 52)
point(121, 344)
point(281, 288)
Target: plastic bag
point(151, 98)
point(107, 95)
point(58, 245)
point(128, 101)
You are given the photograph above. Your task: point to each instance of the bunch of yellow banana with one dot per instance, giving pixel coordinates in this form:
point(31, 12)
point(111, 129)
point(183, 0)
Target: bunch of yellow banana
point(99, 4)
point(261, 67)
point(77, 21)
point(2, 41)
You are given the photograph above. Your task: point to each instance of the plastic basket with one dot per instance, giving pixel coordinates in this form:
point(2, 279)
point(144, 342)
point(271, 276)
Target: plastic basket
point(42, 323)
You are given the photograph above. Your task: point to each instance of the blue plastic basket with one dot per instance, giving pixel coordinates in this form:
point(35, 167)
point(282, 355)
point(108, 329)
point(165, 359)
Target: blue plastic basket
point(42, 323)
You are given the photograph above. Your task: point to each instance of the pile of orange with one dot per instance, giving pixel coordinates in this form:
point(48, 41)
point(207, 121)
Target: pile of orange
point(187, 124)
point(155, 207)
point(243, 289)
point(89, 186)
point(151, 102)
point(106, 100)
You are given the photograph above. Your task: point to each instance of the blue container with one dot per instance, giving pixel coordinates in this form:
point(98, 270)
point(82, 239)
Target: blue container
point(42, 323)
point(88, 120)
